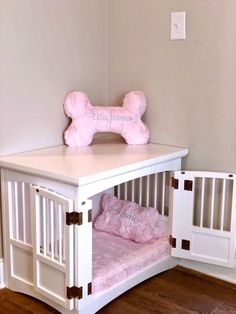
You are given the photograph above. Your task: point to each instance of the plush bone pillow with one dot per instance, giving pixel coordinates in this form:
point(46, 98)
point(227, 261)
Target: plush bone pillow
point(129, 220)
point(88, 120)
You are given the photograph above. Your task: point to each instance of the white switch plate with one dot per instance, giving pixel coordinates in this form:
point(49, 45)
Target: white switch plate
point(178, 25)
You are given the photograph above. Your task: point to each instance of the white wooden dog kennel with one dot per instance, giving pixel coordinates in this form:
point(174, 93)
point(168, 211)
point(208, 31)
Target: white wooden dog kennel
point(49, 197)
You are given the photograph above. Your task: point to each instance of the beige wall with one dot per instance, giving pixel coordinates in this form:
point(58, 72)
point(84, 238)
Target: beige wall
point(190, 84)
point(47, 48)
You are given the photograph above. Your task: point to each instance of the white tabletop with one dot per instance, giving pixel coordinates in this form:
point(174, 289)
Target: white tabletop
point(87, 164)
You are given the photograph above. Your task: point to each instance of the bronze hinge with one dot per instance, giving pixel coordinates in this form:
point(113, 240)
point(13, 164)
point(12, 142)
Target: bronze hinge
point(89, 288)
point(188, 185)
point(90, 215)
point(172, 241)
point(74, 292)
point(185, 245)
point(74, 218)
point(174, 183)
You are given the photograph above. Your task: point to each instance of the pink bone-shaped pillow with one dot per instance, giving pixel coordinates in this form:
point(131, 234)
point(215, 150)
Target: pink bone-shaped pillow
point(88, 119)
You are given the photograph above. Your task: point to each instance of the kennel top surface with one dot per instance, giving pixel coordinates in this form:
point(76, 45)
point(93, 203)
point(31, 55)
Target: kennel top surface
point(88, 164)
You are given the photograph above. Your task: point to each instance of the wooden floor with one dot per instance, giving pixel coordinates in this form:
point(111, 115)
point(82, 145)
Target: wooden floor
point(177, 291)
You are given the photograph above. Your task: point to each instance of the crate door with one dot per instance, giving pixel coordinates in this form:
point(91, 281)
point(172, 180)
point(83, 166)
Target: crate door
point(203, 217)
point(53, 244)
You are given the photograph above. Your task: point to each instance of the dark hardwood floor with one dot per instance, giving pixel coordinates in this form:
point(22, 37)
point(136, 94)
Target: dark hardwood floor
point(177, 291)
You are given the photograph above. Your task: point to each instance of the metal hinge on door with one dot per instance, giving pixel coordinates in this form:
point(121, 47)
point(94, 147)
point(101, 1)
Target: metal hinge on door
point(174, 183)
point(74, 292)
point(77, 292)
point(172, 241)
point(188, 185)
point(75, 218)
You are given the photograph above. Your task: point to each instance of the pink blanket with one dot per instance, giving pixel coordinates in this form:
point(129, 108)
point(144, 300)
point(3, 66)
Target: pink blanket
point(115, 259)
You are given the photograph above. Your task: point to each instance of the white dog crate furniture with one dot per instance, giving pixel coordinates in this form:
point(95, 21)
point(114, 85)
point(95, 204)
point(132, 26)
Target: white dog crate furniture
point(50, 197)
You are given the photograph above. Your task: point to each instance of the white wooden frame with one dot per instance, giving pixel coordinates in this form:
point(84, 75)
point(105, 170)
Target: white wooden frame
point(208, 242)
point(90, 303)
point(57, 169)
point(64, 265)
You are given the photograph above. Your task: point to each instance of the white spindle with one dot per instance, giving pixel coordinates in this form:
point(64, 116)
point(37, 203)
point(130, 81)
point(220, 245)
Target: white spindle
point(223, 206)
point(64, 242)
point(10, 206)
point(155, 191)
point(140, 190)
point(212, 202)
point(56, 226)
point(52, 228)
point(126, 191)
point(23, 211)
point(163, 193)
point(16, 212)
point(60, 213)
point(132, 191)
point(44, 227)
point(118, 191)
point(202, 202)
point(147, 191)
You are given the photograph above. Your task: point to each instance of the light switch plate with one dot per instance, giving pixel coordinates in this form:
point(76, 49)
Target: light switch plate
point(178, 25)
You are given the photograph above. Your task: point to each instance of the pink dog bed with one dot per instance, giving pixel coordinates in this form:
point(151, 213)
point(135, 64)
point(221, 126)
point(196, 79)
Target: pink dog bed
point(115, 259)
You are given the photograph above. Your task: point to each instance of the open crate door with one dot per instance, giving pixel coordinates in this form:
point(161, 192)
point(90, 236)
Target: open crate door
point(203, 217)
point(53, 246)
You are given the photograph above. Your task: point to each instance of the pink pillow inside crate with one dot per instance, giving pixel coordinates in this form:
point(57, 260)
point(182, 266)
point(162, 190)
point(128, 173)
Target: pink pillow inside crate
point(129, 220)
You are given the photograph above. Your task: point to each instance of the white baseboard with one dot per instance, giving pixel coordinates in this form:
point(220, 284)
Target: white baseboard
point(223, 273)
point(2, 282)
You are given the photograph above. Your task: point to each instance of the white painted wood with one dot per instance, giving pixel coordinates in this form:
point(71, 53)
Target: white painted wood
point(85, 165)
point(155, 190)
point(126, 191)
point(83, 253)
point(212, 202)
point(202, 202)
point(222, 207)
point(163, 193)
point(223, 273)
point(108, 165)
point(209, 245)
point(23, 211)
point(140, 190)
point(43, 265)
point(147, 191)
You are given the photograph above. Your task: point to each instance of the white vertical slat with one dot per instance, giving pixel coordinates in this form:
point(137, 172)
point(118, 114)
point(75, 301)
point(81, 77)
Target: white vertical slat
point(202, 202)
point(60, 232)
point(118, 191)
point(39, 222)
point(69, 247)
point(155, 191)
point(23, 211)
point(52, 228)
point(222, 206)
point(212, 202)
point(44, 225)
point(132, 191)
point(48, 225)
point(140, 190)
point(64, 242)
point(16, 211)
point(10, 207)
point(126, 191)
point(163, 193)
point(147, 191)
